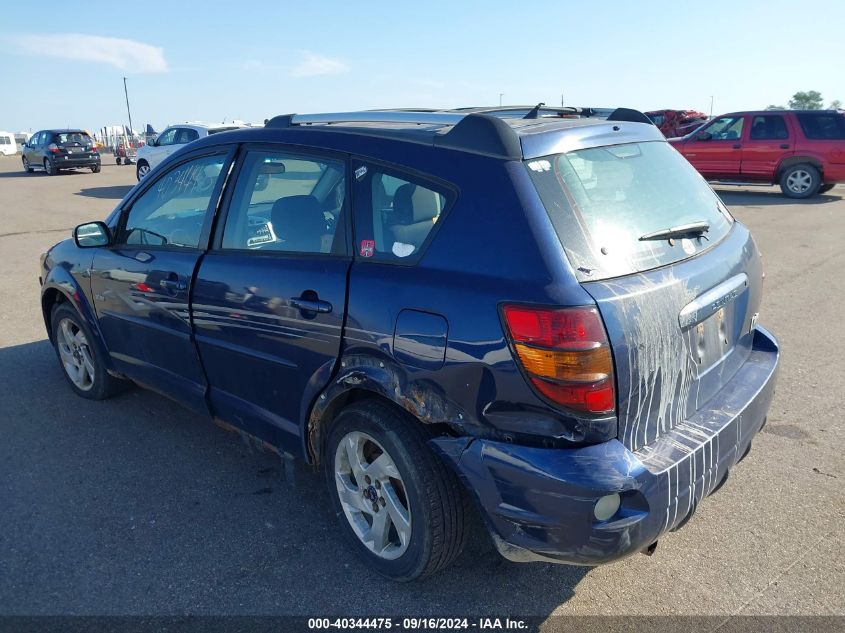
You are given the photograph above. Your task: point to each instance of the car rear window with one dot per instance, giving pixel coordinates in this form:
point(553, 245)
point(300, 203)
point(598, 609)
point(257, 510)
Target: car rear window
point(65, 138)
point(603, 200)
point(824, 126)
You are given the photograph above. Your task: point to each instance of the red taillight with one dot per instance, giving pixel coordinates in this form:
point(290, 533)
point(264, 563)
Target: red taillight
point(566, 354)
point(94, 149)
point(53, 148)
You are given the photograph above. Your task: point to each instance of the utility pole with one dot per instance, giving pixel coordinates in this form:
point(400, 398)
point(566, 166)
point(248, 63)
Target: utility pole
point(561, 100)
point(711, 106)
point(126, 92)
point(501, 94)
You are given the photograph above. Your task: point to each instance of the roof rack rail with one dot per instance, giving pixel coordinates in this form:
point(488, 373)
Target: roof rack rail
point(414, 117)
point(475, 130)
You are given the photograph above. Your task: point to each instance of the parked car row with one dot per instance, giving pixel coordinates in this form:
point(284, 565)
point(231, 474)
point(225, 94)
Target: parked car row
point(550, 321)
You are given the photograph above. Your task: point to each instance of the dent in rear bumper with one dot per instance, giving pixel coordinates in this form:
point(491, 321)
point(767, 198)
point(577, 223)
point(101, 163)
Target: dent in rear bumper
point(538, 502)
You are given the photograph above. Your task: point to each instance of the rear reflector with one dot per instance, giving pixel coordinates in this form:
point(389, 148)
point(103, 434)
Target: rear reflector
point(566, 354)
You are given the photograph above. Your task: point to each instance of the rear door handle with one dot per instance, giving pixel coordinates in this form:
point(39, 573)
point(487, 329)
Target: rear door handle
point(784, 146)
point(737, 146)
point(173, 284)
point(309, 305)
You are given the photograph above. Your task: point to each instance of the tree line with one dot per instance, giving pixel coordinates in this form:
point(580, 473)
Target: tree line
point(807, 100)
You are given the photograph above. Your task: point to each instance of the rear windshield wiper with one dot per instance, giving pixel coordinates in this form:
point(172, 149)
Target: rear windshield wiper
point(694, 229)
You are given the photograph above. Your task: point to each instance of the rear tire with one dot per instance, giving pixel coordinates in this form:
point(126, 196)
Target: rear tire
point(118, 160)
point(403, 486)
point(50, 167)
point(79, 357)
point(827, 187)
point(800, 181)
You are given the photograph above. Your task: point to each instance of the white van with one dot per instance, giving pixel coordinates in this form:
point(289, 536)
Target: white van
point(8, 147)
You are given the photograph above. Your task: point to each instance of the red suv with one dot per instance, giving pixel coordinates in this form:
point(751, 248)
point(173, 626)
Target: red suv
point(802, 150)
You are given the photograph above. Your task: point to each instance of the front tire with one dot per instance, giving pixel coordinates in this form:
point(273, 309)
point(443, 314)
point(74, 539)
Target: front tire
point(95, 169)
point(403, 511)
point(118, 160)
point(26, 166)
point(827, 187)
point(800, 181)
point(142, 170)
point(79, 357)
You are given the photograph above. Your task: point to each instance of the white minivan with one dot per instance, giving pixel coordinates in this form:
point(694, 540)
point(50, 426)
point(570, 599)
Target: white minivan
point(172, 139)
point(8, 147)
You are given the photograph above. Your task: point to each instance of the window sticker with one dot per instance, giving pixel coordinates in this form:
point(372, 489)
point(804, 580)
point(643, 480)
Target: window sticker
point(368, 247)
point(360, 172)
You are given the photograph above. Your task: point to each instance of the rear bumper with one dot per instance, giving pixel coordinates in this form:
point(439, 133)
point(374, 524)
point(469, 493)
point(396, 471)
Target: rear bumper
point(539, 502)
point(63, 162)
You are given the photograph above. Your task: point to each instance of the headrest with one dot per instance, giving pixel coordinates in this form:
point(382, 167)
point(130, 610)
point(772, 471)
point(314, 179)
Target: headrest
point(299, 221)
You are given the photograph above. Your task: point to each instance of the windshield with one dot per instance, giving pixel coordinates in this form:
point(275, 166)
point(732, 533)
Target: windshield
point(603, 200)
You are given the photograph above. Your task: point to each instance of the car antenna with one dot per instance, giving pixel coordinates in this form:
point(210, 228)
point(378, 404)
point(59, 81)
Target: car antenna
point(535, 111)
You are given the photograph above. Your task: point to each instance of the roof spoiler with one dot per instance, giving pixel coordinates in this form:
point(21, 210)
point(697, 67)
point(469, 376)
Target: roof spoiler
point(627, 114)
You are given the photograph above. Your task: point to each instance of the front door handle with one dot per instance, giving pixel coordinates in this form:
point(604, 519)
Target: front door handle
point(172, 284)
point(737, 146)
point(311, 305)
point(784, 146)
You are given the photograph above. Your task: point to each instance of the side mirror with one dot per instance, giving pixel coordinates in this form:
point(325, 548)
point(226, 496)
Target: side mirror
point(704, 136)
point(92, 235)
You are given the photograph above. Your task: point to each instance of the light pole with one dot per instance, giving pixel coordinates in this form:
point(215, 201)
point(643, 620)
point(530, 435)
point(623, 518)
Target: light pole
point(126, 92)
point(501, 94)
point(711, 106)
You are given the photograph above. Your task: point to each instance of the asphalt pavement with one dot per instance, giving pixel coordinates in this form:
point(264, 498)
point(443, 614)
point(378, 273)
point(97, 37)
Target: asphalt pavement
point(136, 506)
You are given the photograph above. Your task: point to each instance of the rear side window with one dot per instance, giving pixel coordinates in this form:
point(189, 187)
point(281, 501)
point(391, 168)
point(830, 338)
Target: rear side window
point(186, 135)
point(603, 200)
point(823, 126)
point(286, 202)
point(768, 127)
point(395, 213)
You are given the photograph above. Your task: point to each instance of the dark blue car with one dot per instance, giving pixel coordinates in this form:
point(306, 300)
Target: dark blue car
point(552, 321)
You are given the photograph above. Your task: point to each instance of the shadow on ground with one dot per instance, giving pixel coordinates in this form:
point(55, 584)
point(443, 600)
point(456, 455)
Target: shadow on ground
point(133, 505)
point(114, 192)
point(754, 198)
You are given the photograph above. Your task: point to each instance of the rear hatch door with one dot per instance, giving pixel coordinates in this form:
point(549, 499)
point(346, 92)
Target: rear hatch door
point(678, 309)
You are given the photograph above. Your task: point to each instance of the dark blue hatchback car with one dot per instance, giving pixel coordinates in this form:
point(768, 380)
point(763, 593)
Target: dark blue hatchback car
point(553, 321)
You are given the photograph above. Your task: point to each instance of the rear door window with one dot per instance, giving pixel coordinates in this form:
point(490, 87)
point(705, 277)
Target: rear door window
point(287, 202)
point(603, 200)
point(186, 135)
point(768, 127)
point(822, 126)
point(395, 213)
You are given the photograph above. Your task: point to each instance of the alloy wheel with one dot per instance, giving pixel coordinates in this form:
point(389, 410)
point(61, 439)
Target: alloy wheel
point(372, 495)
point(143, 170)
point(799, 181)
point(75, 354)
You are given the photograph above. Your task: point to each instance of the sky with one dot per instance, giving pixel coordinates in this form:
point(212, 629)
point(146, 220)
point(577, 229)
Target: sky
point(63, 63)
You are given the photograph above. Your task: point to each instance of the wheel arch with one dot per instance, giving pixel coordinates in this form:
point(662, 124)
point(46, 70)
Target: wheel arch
point(62, 288)
point(797, 160)
point(367, 378)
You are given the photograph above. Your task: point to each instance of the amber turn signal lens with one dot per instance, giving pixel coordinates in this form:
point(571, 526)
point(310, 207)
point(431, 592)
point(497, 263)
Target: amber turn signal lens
point(585, 366)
